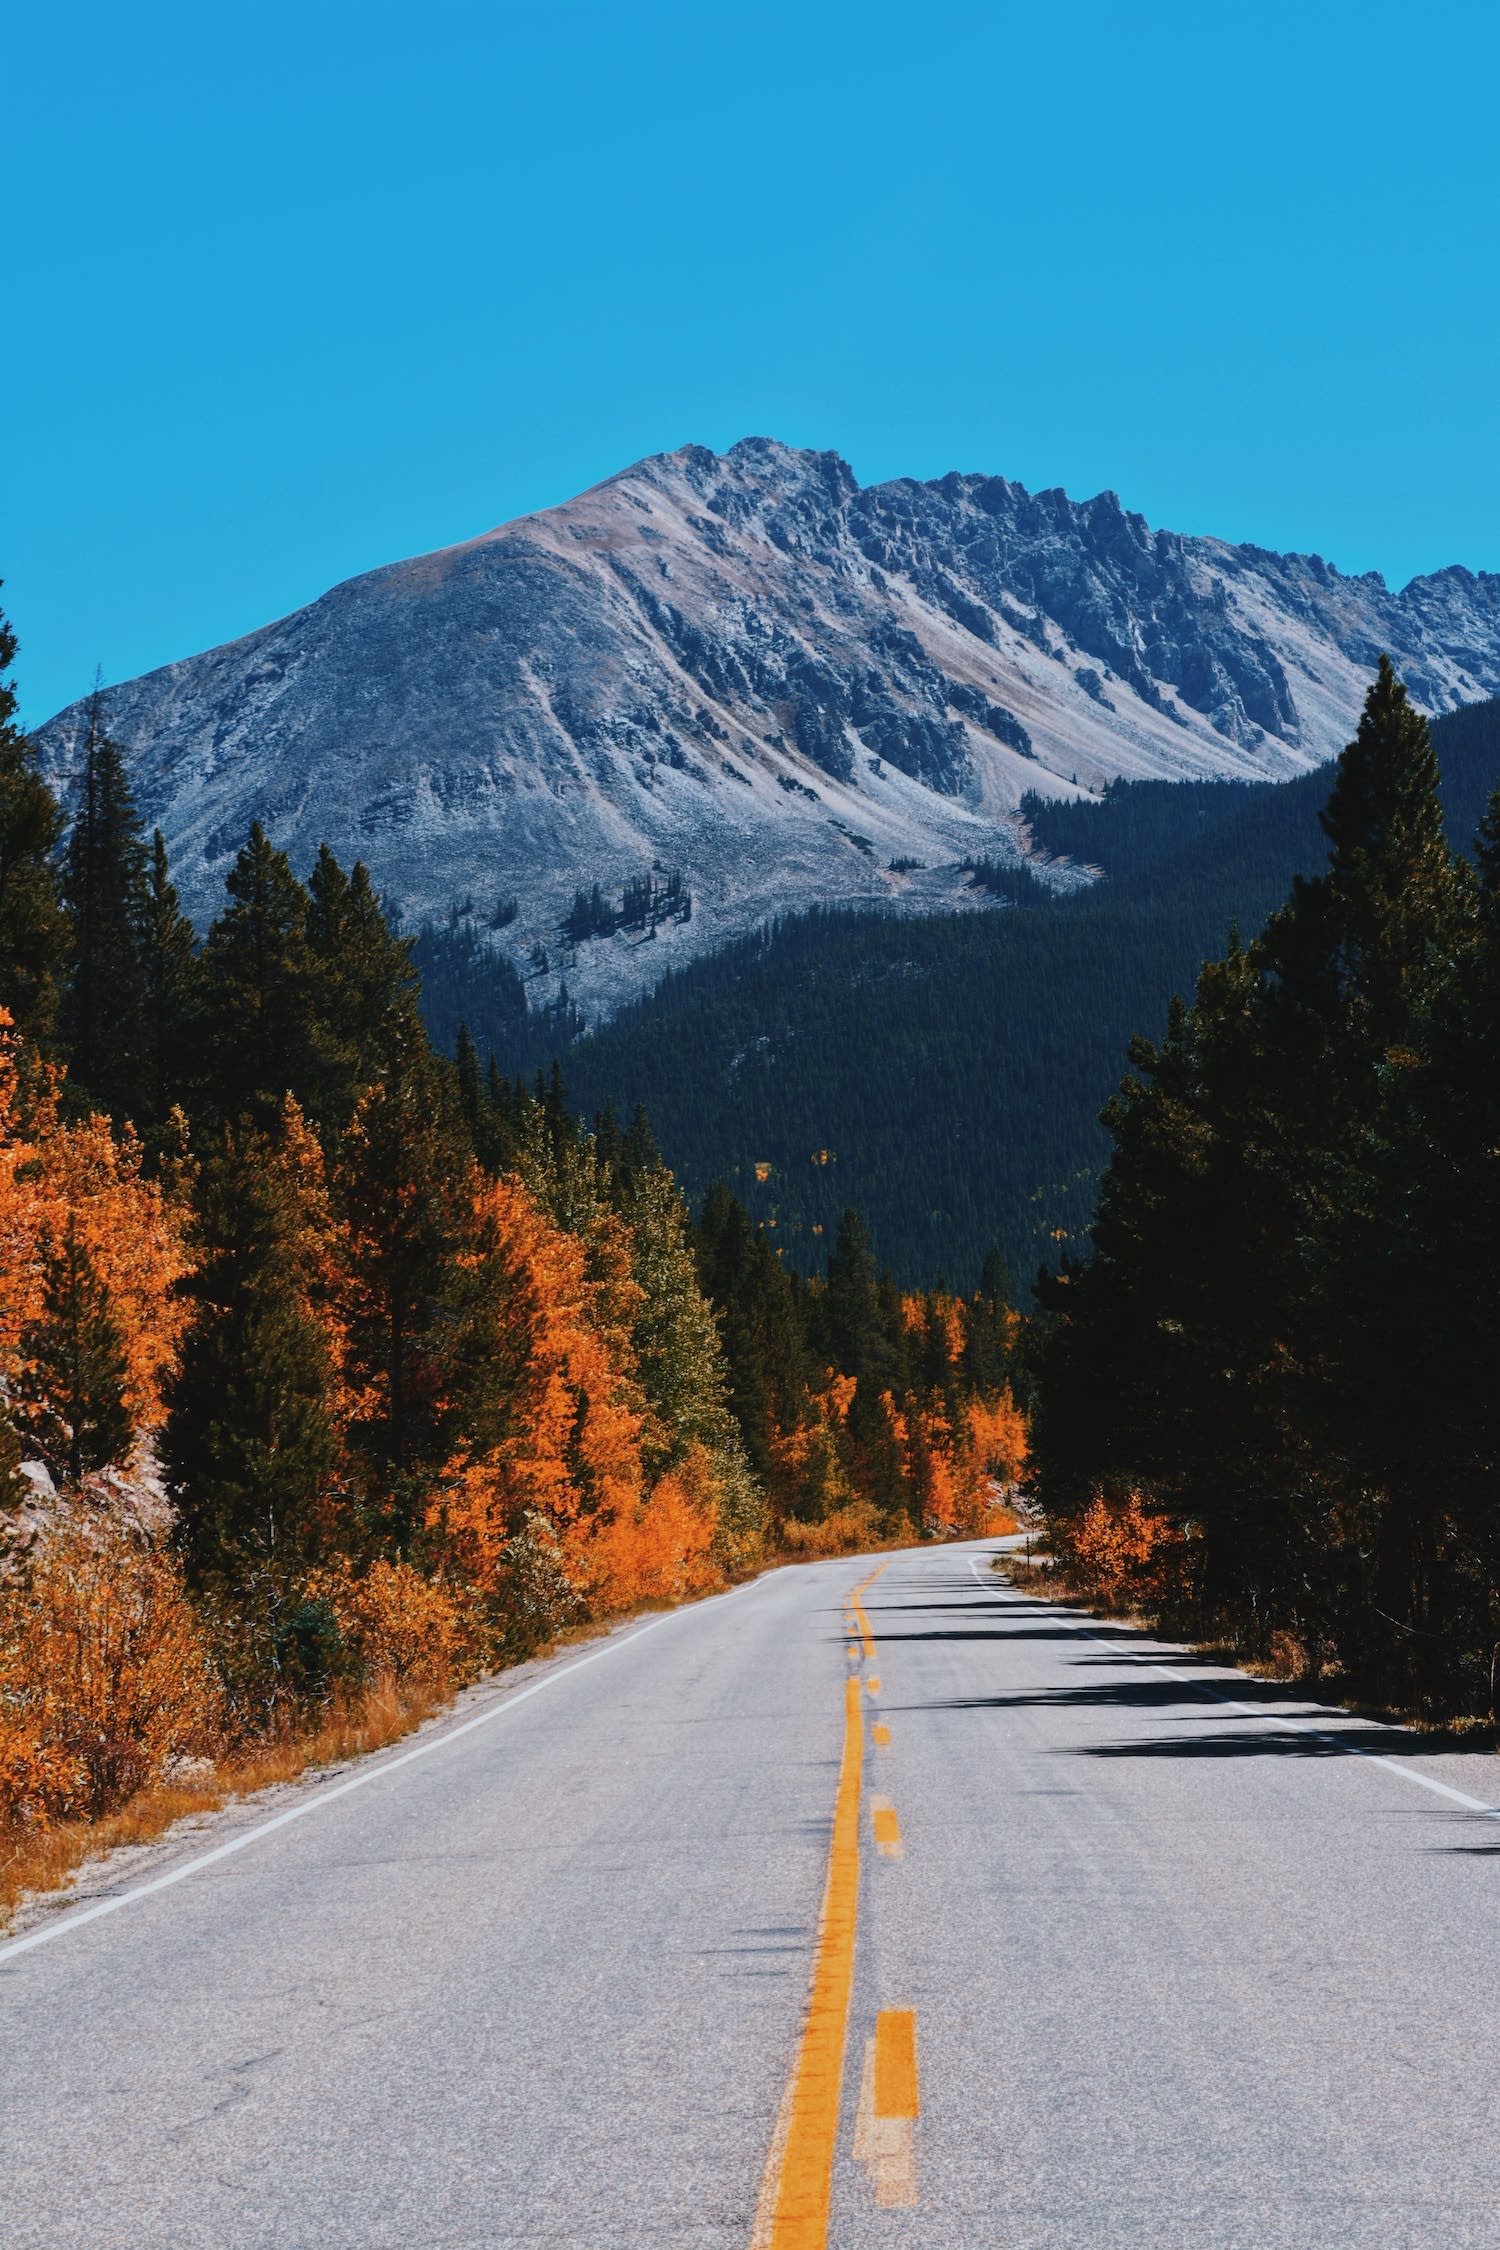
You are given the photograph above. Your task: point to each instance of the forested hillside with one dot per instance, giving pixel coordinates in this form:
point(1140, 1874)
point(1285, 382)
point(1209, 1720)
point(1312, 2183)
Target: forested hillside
point(1268, 1404)
point(946, 1076)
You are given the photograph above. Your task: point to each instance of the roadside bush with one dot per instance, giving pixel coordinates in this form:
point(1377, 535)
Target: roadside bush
point(105, 1676)
point(1123, 1554)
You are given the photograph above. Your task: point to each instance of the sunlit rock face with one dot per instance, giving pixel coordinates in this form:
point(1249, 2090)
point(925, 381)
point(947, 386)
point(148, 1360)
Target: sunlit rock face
point(744, 670)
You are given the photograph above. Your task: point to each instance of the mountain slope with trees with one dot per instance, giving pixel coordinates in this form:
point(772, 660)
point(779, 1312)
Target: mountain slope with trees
point(946, 1076)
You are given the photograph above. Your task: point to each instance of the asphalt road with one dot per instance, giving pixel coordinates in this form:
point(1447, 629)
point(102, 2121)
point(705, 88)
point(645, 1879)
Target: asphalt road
point(1151, 1968)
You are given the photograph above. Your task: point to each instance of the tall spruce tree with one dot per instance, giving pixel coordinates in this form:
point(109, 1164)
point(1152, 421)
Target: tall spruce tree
point(169, 966)
point(261, 1032)
point(104, 889)
point(759, 1315)
point(1229, 1344)
point(861, 1323)
point(34, 936)
point(403, 1191)
point(679, 1354)
point(250, 1441)
point(1355, 963)
point(363, 982)
point(74, 1386)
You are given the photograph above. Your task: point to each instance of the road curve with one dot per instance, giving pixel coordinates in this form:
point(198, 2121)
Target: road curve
point(1054, 1937)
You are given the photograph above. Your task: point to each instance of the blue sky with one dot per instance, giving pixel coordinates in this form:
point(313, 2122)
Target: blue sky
point(294, 290)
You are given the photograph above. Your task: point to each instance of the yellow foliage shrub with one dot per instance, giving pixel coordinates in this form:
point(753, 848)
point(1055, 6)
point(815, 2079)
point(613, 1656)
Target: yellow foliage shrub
point(1124, 1551)
point(396, 1623)
point(51, 1175)
point(660, 1551)
point(104, 1676)
point(845, 1531)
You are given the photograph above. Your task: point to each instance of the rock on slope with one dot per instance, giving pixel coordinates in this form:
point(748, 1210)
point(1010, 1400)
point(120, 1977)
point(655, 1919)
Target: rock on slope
point(747, 670)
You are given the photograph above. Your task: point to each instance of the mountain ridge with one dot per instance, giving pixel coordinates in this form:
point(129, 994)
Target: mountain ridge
point(750, 671)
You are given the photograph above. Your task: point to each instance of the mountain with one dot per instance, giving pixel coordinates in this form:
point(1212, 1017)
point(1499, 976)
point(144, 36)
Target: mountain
point(726, 687)
point(946, 1076)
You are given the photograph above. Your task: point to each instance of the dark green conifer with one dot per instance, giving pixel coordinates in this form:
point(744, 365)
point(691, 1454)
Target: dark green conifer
point(261, 1032)
point(404, 1189)
point(250, 1439)
point(74, 1385)
point(104, 889)
point(169, 963)
point(363, 980)
point(33, 926)
point(760, 1322)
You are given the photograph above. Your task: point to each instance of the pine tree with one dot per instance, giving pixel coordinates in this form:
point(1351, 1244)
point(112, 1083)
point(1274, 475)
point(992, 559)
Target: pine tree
point(261, 1031)
point(250, 1442)
point(104, 888)
point(74, 1386)
point(169, 963)
point(760, 1321)
point(404, 1190)
point(363, 985)
point(34, 936)
point(851, 1302)
point(679, 1355)
point(1231, 1346)
point(1356, 961)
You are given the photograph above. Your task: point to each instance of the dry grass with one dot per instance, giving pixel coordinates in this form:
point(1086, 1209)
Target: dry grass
point(47, 1858)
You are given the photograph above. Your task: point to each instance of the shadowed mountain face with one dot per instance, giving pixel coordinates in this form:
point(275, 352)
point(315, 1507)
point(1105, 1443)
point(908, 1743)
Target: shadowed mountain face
point(745, 670)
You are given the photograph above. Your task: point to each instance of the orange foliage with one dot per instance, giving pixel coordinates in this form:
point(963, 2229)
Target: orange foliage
point(104, 1675)
point(663, 1551)
point(1124, 1551)
point(398, 1624)
point(573, 1446)
point(997, 1433)
point(846, 1531)
point(51, 1173)
point(571, 1454)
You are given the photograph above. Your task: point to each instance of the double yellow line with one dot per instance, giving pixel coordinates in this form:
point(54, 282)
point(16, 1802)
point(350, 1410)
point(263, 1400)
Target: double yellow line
point(795, 2199)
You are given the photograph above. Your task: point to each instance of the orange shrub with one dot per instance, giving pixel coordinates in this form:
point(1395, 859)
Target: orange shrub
point(51, 1173)
point(104, 1675)
point(397, 1624)
point(662, 1550)
point(1124, 1551)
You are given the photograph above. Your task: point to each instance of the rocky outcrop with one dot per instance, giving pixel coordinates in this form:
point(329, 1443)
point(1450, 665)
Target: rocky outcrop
point(744, 669)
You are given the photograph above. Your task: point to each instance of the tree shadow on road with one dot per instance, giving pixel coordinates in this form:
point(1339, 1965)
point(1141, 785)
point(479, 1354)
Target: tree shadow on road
point(1317, 1734)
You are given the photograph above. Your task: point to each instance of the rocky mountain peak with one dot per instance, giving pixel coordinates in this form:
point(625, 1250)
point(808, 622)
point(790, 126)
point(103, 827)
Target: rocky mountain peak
point(747, 672)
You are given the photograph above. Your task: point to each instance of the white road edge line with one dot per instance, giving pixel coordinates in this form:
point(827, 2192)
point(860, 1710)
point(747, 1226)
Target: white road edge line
point(367, 1774)
point(1270, 1718)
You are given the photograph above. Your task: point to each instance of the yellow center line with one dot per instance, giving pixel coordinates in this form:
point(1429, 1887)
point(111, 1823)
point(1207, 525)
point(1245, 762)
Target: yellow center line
point(896, 2063)
point(887, 1827)
point(797, 2190)
point(889, 2106)
point(799, 2183)
point(867, 1638)
point(882, 1735)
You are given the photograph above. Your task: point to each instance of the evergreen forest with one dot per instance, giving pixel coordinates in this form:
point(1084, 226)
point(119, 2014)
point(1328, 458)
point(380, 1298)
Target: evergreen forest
point(1267, 1404)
